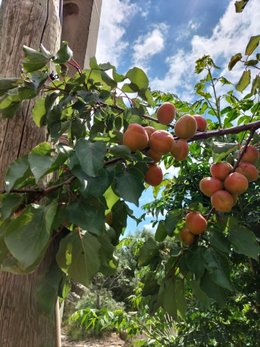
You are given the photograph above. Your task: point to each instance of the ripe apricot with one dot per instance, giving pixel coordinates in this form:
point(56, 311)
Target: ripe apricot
point(236, 183)
point(161, 141)
point(185, 127)
point(222, 201)
point(201, 122)
point(249, 170)
point(154, 175)
point(156, 156)
point(149, 129)
point(251, 154)
point(166, 113)
point(180, 149)
point(196, 223)
point(221, 170)
point(209, 185)
point(187, 237)
point(135, 137)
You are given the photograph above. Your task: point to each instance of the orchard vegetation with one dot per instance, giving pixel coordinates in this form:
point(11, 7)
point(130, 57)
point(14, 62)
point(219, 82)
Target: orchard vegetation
point(108, 138)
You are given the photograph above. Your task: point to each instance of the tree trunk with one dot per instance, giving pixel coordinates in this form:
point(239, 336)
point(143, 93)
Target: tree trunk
point(30, 23)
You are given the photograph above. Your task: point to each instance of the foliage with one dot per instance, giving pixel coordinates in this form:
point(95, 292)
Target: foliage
point(93, 175)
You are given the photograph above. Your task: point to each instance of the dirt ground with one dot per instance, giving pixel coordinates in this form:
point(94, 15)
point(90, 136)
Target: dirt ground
point(112, 340)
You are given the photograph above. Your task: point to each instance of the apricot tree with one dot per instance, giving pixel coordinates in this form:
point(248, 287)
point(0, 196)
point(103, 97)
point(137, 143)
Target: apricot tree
point(109, 135)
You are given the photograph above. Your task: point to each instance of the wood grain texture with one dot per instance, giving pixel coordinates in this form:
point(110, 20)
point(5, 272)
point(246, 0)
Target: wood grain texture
point(27, 22)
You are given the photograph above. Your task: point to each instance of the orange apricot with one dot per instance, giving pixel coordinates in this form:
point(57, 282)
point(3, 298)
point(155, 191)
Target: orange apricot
point(221, 170)
point(251, 154)
point(222, 201)
point(236, 183)
point(196, 223)
point(161, 141)
point(166, 113)
point(185, 127)
point(201, 122)
point(187, 237)
point(154, 175)
point(149, 129)
point(135, 137)
point(249, 170)
point(180, 149)
point(209, 185)
point(156, 156)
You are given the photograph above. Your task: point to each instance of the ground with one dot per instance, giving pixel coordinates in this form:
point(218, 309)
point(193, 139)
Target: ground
point(112, 340)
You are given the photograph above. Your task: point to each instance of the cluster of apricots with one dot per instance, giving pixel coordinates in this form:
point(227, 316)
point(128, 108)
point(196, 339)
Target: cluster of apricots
point(223, 187)
point(156, 143)
point(226, 183)
point(195, 224)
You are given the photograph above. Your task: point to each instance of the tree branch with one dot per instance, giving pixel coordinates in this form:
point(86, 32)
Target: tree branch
point(234, 130)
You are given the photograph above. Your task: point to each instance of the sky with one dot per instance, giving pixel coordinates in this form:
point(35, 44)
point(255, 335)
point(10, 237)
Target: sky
point(165, 37)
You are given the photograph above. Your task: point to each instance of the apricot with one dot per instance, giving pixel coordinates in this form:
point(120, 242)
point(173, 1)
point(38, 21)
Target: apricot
point(209, 185)
point(196, 223)
point(154, 175)
point(166, 113)
point(201, 122)
point(135, 137)
point(251, 154)
point(161, 141)
point(180, 149)
point(249, 170)
point(221, 170)
point(156, 156)
point(236, 183)
point(187, 237)
point(149, 129)
point(222, 201)
point(185, 127)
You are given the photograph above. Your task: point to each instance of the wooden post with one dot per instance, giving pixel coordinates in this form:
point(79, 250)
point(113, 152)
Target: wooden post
point(28, 22)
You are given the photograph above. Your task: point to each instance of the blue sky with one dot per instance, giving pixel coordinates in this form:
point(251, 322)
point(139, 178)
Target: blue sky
point(165, 37)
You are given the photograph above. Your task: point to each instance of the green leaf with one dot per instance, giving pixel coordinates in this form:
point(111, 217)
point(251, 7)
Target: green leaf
point(219, 241)
point(120, 151)
point(138, 77)
point(217, 269)
point(194, 261)
point(234, 59)
point(251, 62)
point(244, 81)
point(167, 296)
point(95, 186)
point(89, 214)
point(172, 219)
point(47, 289)
point(255, 85)
point(240, 5)
point(111, 198)
point(161, 232)
point(8, 83)
point(148, 251)
point(9, 204)
point(79, 256)
point(212, 290)
point(40, 165)
point(129, 178)
point(17, 172)
point(221, 150)
point(90, 156)
point(243, 240)
point(252, 44)
point(27, 236)
point(180, 297)
point(33, 60)
point(64, 54)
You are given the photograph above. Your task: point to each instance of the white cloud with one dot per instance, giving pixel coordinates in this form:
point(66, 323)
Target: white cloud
point(148, 45)
point(229, 36)
point(115, 16)
point(186, 31)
